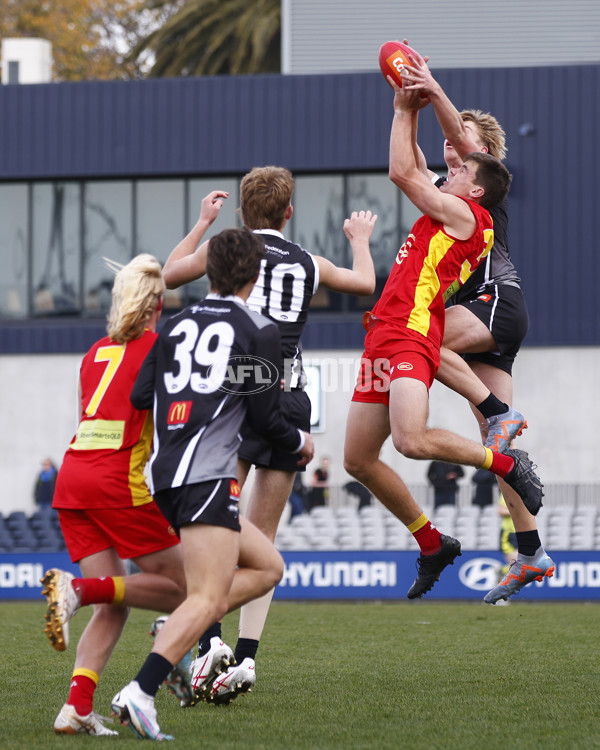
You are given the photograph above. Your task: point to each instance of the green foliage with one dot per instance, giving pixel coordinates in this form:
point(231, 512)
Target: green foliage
point(90, 38)
point(212, 37)
point(123, 39)
point(420, 676)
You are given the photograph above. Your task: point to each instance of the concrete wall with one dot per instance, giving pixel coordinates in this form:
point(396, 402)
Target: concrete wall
point(554, 387)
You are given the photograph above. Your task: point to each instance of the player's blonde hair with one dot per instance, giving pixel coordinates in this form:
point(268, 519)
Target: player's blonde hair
point(265, 194)
point(136, 293)
point(489, 129)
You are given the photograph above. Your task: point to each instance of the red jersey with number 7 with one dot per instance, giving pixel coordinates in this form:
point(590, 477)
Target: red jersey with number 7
point(427, 265)
point(104, 464)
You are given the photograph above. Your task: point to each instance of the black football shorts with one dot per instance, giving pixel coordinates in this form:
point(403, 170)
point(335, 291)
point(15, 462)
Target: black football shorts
point(503, 309)
point(295, 405)
point(215, 503)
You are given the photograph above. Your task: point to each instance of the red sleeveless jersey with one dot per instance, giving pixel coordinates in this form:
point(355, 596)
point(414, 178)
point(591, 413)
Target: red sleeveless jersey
point(104, 465)
point(428, 264)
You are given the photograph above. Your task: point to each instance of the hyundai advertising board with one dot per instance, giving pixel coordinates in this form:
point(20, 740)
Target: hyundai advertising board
point(360, 575)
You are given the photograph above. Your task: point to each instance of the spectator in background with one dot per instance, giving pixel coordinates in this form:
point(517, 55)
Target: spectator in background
point(508, 536)
point(443, 478)
point(484, 482)
point(319, 493)
point(43, 492)
point(361, 492)
point(297, 496)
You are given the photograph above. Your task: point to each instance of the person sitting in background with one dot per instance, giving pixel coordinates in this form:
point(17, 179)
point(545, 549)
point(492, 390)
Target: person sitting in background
point(297, 497)
point(361, 492)
point(484, 482)
point(442, 477)
point(319, 493)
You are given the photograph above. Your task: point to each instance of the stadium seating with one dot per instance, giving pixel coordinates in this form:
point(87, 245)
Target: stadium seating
point(562, 527)
point(39, 532)
point(568, 526)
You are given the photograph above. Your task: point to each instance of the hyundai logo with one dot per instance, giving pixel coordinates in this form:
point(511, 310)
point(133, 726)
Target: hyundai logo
point(480, 574)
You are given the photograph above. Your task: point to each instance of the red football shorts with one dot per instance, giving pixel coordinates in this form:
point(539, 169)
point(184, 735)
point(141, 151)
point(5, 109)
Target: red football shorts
point(388, 355)
point(132, 532)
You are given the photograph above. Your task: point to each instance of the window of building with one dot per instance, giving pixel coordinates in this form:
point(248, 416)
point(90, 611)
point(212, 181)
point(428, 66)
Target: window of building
point(318, 226)
point(56, 240)
point(107, 233)
point(14, 251)
point(74, 225)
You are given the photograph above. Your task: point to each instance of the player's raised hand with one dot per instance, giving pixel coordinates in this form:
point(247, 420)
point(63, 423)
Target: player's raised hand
point(212, 204)
point(407, 99)
point(360, 225)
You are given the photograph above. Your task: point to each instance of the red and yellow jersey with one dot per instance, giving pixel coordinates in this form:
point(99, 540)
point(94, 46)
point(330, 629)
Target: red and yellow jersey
point(428, 264)
point(104, 464)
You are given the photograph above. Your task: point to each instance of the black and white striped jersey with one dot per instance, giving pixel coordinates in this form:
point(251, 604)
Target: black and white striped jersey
point(288, 279)
point(213, 365)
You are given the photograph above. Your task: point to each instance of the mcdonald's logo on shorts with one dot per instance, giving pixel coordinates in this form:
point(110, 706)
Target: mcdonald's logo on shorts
point(179, 412)
point(234, 489)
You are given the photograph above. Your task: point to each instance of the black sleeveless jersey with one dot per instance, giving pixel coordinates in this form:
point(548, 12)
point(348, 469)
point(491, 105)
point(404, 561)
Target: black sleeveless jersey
point(212, 366)
point(288, 279)
point(497, 267)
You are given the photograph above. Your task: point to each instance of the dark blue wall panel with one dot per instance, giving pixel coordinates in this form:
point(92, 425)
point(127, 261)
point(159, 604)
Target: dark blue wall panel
point(226, 125)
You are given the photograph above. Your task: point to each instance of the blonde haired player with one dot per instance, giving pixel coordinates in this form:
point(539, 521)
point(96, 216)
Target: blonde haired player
point(106, 512)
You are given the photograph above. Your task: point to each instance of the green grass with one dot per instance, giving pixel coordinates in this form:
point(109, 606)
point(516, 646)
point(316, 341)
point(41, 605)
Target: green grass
point(423, 676)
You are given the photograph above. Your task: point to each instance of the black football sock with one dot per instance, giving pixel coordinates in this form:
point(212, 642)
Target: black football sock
point(528, 542)
point(204, 643)
point(245, 648)
point(153, 673)
point(492, 406)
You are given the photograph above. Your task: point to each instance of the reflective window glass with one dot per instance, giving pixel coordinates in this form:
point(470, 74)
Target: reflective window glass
point(160, 221)
point(318, 226)
point(13, 250)
point(228, 217)
point(375, 192)
point(160, 215)
point(56, 240)
point(107, 233)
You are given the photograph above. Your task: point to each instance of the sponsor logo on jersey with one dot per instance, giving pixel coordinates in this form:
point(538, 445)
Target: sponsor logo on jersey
point(179, 413)
point(403, 252)
point(246, 373)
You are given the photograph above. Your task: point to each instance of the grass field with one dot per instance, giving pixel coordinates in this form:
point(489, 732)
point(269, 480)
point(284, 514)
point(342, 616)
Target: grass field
point(417, 676)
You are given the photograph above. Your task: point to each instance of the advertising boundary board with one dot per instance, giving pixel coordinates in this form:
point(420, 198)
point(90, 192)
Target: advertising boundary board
point(360, 575)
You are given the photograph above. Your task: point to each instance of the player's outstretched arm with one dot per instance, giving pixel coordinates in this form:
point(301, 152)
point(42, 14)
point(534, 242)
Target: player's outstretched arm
point(418, 78)
point(187, 262)
point(404, 172)
point(360, 279)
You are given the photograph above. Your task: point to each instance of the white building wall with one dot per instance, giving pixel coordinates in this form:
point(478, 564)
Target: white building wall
point(333, 36)
point(555, 388)
point(33, 56)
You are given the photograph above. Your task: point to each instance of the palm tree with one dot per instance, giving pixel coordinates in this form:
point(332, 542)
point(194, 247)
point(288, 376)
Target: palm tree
point(212, 37)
